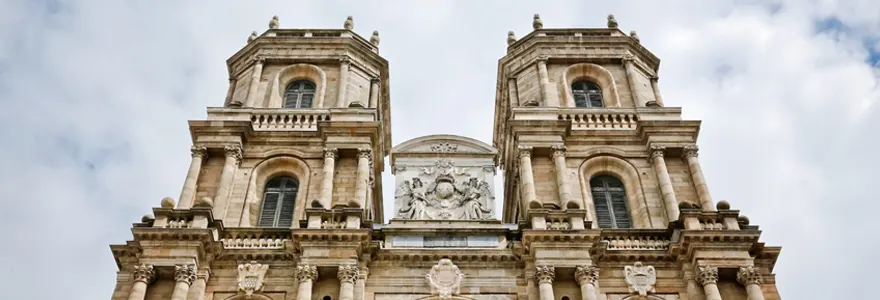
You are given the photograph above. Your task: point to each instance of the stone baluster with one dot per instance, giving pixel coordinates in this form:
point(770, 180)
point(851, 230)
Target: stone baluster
point(374, 92)
point(361, 283)
point(255, 81)
point(143, 275)
point(233, 159)
point(656, 90)
point(656, 156)
point(344, 63)
point(558, 156)
point(586, 277)
point(330, 156)
point(547, 90)
point(365, 160)
point(690, 154)
point(306, 275)
point(630, 78)
point(184, 276)
point(545, 275)
point(527, 178)
point(750, 277)
point(187, 194)
point(707, 277)
point(347, 274)
point(197, 291)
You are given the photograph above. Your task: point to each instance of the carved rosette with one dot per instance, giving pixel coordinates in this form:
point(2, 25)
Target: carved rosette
point(444, 147)
point(557, 151)
point(445, 279)
point(586, 275)
point(707, 275)
point(199, 151)
point(525, 151)
point(640, 278)
point(656, 151)
point(185, 273)
point(144, 273)
point(749, 275)
point(689, 151)
point(250, 277)
point(347, 273)
point(306, 273)
point(331, 153)
point(233, 151)
point(545, 274)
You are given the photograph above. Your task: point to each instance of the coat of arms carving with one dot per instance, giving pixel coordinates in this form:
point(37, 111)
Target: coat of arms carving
point(250, 277)
point(445, 279)
point(640, 278)
point(446, 198)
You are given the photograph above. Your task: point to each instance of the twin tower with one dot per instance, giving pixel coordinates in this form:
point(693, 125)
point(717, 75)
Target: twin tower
point(604, 197)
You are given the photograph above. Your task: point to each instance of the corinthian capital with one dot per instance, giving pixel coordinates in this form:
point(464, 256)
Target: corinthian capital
point(525, 151)
point(344, 60)
point(365, 153)
point(233, 151)
point(332, 153)
point(557, 151)
point(306, 273)
point(199, 151)
point(545, 274)
point(656, 151)
point(689, 151)
point(258, 59)
point(628, 58)
point(586, 274)
point(707, 275)
point(185, 273)
point(543, 58)
point(748, 275)
point(144, 273)
point(347, 273)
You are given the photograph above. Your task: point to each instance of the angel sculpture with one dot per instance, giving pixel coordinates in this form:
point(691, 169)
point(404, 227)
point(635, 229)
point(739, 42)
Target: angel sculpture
point(414, 201)
point(475, 193)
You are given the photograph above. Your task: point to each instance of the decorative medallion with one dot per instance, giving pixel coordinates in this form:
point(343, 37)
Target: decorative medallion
point(250, 277)
point(640, 278)
point(445, 279)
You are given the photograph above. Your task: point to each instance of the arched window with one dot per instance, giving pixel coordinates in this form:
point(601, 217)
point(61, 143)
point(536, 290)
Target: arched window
point(610, 199)
point(299, 94)
point(278, 202)
point(586, 94)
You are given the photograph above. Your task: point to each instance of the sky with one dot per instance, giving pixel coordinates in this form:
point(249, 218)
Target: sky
point(96, 95)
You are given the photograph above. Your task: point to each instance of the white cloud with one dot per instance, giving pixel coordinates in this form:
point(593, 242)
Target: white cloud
point(96, 96)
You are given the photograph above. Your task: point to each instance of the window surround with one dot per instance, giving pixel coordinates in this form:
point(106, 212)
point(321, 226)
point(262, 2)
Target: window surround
point(292, 73)
point(260, 176)
point(628, 175)
point(591, 72)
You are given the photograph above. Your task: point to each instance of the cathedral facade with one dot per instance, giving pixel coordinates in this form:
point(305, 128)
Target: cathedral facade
point(604, 197)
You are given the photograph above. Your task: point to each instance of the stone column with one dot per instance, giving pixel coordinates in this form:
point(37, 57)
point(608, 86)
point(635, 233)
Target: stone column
point(184, 276)
point(230, 92)
point(586, 277)
point(547, 91)
point(630, 74)
point(361, 283)
point(344, 63)
point(374, 92)
point(558, 156)
point(512, 96)
point(365, 157)
point(750, 277)
point(143, 275)
point(656, 89)
point(708, 278)
point(199, 152)
point(330, 155)
point(197, 291)
point(545, 275)
point(527, 177)
point(233, 159)
point(306, 275)
point(347, 275)
point(690, 154)
point(255, 81)
point(665, 182)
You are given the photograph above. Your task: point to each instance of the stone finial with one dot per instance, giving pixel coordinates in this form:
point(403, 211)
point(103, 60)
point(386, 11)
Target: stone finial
point(707, 275)
point(250, 277)
point(204, 202)
point(306, 273)
point(144, 273)
point(374, 39)
point(347, 273)
point(349, 23)
point(612, 22)
point(723, 205)
point(147, 218)
point(252, 37)
point(167, 202)
point(586, 274)
point(748, 275)
point(185, 273)
point(640, 278)
point(537, 23)
point(634, 36)
point(545, 274)
point(511, 38)
point(273, 24)
point(743, 220)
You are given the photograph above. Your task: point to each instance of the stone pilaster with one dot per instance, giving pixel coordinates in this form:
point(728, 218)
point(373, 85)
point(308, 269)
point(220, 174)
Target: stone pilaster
point(184, 276)
point(365, 158)
point(707, 276)
point(586, 277)
point(255, 81)
point(233, 159)
point(557, 154)
point(690, 154)
point(656, 157)
point(306, 275)
point(545, 275)
point(143, 275)
point(750, 277)
point(344, 64)
point(187, 194)
point(347, 274)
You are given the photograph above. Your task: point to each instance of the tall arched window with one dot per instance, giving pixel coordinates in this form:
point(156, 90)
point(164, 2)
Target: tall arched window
point(278, 202)
point(610, 199)
point(586, 94)
point(299, 94)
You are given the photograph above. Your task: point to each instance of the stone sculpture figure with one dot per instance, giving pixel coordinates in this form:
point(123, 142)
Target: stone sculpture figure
point(445, 279)
point(414, 206)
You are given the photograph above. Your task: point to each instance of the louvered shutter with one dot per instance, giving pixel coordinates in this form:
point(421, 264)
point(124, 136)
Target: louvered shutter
point(603, 212)
point(285, 218)
point(306, 101)
point(609, 197)
point(580, 99)
point(595, 98)
point(270, 206)
point(618, 205)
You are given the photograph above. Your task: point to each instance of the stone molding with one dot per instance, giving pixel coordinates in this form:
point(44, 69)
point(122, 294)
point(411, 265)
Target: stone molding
point(144, 273)
point(185, 273)
point(199, 151)
point(347, 273)
point(306, 273)
point(690, 151)
point(749, 275)
point(706, 275)
point(545, 274)
point(586, 274)
point(640, 278)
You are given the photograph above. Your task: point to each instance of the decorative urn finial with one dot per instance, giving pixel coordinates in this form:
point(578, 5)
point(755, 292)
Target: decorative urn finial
point(612, 23)
point(374, 39)
point(511, 38)
point(635, 36)
point(273, 24)
point(537, 23)
point(252, 37)
point(349, 23)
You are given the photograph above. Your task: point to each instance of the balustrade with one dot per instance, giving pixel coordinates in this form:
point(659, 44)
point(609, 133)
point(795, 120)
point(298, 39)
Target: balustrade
point(253, 238)
point(289, 120)
point(585, 120)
